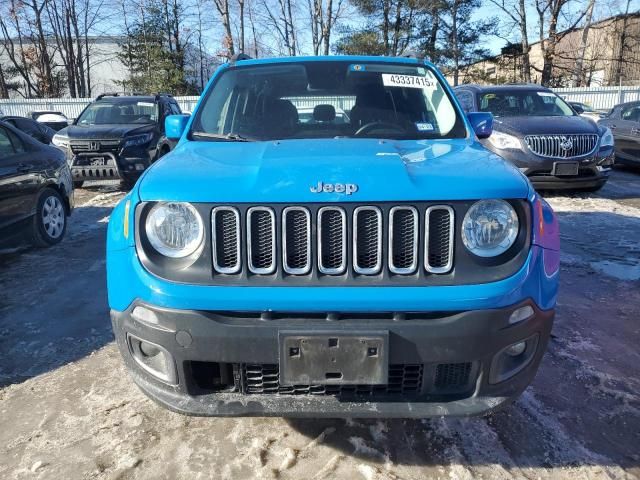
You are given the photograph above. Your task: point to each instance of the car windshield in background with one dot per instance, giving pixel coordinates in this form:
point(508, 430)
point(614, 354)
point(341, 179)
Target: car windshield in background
point(327, 100)
point(529, 103)
point(119, 112)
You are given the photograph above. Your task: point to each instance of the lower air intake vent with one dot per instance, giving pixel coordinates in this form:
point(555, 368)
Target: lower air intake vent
point(452, 376)
point(264, 379)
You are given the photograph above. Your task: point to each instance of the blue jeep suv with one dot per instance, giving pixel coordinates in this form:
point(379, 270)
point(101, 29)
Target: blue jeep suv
point(380, 264)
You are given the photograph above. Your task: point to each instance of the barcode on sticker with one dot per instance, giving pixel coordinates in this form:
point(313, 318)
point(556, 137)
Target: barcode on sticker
point(407, 81)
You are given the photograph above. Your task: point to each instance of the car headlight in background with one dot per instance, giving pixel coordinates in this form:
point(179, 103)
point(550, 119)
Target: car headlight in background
point(503, 141)
point(607, 138)
point(137, 140)
point(489, 228)
point(174, 229)
point(60, 141)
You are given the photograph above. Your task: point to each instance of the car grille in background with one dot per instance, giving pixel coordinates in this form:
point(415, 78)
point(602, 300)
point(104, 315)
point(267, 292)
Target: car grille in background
point(320, 239)
point(265, 379)
point(94, 146)
point(562, 146)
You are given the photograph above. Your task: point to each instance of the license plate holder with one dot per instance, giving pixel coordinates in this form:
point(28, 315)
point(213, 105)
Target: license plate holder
point(566, 169)
point(334, 358)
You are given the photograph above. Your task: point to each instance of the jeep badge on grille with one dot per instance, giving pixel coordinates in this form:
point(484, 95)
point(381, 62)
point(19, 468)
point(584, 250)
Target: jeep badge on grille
point(347, 188)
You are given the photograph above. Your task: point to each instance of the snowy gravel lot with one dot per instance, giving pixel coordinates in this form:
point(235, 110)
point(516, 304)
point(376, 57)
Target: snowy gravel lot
point(69, 411)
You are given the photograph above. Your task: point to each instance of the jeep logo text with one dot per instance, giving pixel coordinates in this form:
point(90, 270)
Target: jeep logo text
point(347, 188)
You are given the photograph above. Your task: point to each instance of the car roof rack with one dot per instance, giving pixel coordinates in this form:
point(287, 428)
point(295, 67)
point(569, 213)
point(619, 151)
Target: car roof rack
point(239, 57)
point(107, 94)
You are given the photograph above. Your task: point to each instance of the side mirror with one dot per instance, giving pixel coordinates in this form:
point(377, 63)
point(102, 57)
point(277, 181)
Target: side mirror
point(578, 109)
point(174, 126)
point(482, 123)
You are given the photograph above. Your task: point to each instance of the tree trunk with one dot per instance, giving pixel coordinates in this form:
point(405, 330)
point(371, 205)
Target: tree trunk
point(526, 64)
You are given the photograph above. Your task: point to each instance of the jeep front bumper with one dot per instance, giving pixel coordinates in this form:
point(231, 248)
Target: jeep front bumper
point(226, 364)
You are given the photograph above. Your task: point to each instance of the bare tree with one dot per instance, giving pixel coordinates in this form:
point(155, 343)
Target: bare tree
point(323, 15)
point(516, 11)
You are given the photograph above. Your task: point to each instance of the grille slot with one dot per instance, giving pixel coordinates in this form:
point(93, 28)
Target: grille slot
point(367, 240)
point(404, 379)
point(332, 240)
point(439, 226)
point(403, 240)
point(296, 240)
point(562, 146)
point(225, 234)
point(261, 240)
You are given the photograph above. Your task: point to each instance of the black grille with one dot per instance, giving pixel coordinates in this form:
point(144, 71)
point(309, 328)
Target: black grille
point(262, 240)
point(404, 241)
point(95, 146)
point(264, 379)
point(368, 238)
point(439, 242)
point(452, 376)
point(333, 230)
point(297, 237)
point(226, 239)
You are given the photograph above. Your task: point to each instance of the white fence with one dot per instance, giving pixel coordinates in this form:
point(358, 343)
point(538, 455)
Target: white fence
point(71, 107)
point(600, 98)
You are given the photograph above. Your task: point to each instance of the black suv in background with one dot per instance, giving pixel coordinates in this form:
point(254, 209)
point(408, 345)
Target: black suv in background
point(117, 137)
point(543, 136)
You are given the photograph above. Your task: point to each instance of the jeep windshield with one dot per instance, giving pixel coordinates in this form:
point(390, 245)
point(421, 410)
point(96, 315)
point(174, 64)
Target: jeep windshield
point(121, 111)
point(327, 99)
point(529, 103)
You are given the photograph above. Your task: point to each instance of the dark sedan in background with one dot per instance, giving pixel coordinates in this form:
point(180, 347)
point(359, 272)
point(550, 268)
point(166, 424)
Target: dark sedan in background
point(36, 191)
point(39, 131)
point(543, 136)
point(624, 122)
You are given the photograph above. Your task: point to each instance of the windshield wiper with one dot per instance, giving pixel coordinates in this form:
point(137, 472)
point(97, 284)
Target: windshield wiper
point(221, 137)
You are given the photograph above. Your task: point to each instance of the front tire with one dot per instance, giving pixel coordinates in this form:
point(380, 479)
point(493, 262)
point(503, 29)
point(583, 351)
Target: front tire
point(50, 221)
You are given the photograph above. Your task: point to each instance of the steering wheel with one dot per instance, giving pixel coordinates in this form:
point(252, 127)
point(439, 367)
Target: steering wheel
point(375, 125)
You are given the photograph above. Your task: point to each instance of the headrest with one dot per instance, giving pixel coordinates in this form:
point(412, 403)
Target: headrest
point(324, 113)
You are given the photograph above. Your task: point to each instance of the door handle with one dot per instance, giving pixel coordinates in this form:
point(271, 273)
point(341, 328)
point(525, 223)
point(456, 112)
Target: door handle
point(612, 126)
point(23, 167)
point(635, 131)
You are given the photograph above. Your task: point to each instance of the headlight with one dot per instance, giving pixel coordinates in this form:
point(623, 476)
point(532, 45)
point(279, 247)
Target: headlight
point(489, 228)
point(607, 138)
point(504, 141)
point(174, 229)
point(60, 141)
point(137, 140)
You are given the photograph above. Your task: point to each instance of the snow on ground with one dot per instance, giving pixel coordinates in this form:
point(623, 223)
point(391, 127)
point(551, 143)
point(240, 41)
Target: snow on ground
point(69, 411)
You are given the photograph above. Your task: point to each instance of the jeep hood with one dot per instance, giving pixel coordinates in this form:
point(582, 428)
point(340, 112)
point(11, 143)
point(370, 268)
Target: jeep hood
point(284, 171)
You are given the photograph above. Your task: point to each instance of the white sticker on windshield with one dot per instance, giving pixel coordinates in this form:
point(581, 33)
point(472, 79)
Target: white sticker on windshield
point(145, 104)
point(407, 81)
point(424, 127)
point(546, 94)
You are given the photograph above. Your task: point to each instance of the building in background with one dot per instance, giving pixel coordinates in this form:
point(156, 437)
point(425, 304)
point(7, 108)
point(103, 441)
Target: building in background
point(611, 57)
point(106, 73)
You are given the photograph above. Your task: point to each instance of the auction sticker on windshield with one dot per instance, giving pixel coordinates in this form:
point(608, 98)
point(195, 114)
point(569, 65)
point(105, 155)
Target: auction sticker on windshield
point(407, 81)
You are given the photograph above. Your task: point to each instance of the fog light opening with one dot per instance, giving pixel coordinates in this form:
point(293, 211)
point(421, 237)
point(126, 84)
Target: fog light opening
point(153, 358)
point(521, 314)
